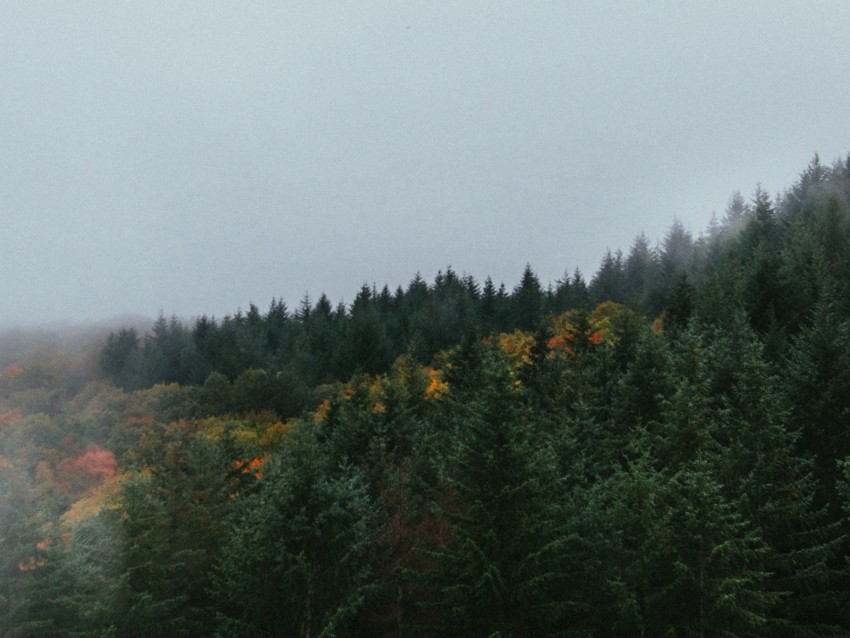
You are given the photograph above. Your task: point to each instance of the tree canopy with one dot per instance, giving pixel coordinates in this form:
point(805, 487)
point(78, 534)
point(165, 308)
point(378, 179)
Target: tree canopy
point(661, 451)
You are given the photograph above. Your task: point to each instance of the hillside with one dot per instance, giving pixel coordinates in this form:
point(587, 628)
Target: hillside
point(663, 449)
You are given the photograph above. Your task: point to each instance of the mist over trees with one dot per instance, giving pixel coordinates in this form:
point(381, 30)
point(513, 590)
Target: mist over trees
point(662, 449)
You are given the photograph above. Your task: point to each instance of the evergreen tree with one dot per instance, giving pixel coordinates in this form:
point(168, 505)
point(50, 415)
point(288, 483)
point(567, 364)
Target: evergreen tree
point(681, 304)
point(759, 246)
point(169, 529)
point(365, 346)
point(527, 301)
point(640, 269)
point(296, 560)
point(489, 310)
point(736, 214)
point(816, 382)
point(119, 358)
point(609, 283)
point(763, 468)
point(507, 570)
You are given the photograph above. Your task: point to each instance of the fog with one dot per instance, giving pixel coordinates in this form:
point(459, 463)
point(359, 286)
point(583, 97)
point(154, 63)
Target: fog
point(193, 158)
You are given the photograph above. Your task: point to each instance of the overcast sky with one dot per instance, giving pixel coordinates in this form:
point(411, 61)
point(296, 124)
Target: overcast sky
point(195, 157)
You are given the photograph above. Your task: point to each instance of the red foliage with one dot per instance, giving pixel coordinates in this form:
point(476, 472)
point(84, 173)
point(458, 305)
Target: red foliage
point(96, 462)
point(557, 342)
point(10, 372)
point(10, 416)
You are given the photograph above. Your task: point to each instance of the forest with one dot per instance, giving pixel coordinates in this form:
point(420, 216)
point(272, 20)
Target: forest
point(662, 449)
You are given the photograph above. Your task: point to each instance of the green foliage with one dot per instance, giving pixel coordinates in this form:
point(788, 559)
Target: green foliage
point(681, 304)
point(508, 571)
point(295, 561)
point(456, 459)
point(170, 527)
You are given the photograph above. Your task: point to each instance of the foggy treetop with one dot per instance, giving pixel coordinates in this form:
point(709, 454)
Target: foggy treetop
point(195, 159)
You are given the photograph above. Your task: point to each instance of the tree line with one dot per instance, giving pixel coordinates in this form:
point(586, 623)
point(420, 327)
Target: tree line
point(319, 343)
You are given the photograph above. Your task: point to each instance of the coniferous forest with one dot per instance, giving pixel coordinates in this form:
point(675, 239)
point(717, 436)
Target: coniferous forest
point(661, 449)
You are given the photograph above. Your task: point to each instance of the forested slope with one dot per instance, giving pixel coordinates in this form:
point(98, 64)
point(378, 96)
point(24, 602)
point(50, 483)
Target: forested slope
point(662, 451)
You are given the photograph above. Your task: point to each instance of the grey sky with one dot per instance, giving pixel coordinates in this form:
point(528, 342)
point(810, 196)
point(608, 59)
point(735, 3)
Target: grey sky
point(196, 157)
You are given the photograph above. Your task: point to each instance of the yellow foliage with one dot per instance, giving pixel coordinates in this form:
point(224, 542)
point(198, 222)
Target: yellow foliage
point(600, 323)
point(275, 434)
point(407, 375)
point(567, 323)
point(104, 496)
point(248, 429)
point(213, 429)
point(377, 395)
point(598, 327)
point(518, 346)
point(321, 411)
point(245, 436)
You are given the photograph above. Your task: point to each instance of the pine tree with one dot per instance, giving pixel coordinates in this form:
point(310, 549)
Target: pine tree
point(296, 560)
point(168, 527)
point(817, 375)
point(527, 301)
point(640, 270)
point(763, 469)
point(736, 214)
point(609, 282)
point(683, 299)
point(507, 571)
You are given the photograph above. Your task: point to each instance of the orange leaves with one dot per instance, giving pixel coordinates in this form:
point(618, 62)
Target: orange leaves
point(597, 328)
point(31, 564)
point(557, 342)
point(437, 387)
point(378, 395)
point(252, 467)
point(601, 323)
point(371, 391)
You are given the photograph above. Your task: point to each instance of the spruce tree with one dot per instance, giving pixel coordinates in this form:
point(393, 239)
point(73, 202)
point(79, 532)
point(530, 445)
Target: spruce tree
point(296, 558)
point(507, 570)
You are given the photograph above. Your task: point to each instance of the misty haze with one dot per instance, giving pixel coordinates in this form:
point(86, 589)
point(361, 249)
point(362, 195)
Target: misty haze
point(383, 319)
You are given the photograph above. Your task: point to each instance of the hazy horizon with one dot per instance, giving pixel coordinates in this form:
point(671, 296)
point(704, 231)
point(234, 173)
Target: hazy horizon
point(193, 159)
